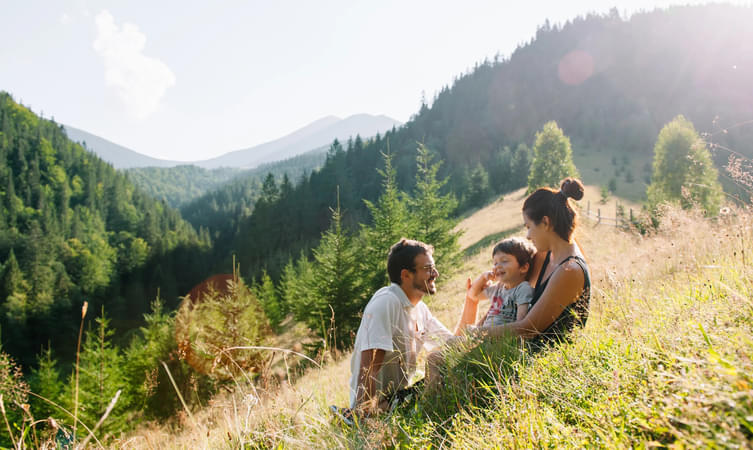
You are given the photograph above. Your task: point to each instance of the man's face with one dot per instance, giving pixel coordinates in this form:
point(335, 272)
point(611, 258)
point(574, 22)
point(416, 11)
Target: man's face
point(425, 274)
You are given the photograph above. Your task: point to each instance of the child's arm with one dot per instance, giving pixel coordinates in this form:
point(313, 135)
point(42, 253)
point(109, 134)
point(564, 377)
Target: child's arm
point(522, 311)
point(524, 295)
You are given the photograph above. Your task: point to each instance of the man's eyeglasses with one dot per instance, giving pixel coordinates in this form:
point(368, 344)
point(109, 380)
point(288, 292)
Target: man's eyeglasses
point(429, 268)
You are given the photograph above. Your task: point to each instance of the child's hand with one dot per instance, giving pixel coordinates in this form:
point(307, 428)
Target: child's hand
point(489, 276)
point(468, 284)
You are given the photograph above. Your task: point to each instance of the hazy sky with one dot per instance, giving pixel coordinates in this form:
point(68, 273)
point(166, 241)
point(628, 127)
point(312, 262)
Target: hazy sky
point(191, 80)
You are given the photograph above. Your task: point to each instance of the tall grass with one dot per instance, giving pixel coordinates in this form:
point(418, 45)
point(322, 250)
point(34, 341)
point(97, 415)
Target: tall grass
point(665, 359)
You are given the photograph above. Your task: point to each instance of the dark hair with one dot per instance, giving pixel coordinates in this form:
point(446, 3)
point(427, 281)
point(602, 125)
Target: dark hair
point(521, 249)
point(555, 205)
point(402, 256)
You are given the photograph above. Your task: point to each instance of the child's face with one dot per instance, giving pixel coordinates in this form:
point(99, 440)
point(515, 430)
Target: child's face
point(507, 270)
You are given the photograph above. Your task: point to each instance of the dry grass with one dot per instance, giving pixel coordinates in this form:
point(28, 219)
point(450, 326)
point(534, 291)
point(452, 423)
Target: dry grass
point(626, 381)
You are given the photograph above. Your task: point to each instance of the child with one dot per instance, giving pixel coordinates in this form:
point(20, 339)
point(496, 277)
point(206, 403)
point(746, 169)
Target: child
point(510, 297)
point(511, 294)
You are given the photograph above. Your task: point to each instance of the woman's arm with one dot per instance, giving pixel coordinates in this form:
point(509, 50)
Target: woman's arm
point(562, 290)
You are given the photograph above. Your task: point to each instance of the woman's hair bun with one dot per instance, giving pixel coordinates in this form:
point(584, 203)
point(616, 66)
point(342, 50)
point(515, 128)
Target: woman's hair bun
point(573, 188)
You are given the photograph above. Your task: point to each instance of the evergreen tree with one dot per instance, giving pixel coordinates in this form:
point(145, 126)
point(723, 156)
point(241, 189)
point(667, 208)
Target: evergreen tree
point(45, 381)
point(552, 158)
point(432, 213)
point(479, 189)
point(15, 290)
point(154, 343)
point(683, 170)
point(11, 203)
point(521, 166)
point(222, 321)
point(389, 222)
point(269, 190)
point(501, 171)
point(337, 286)
point(294, 289)
point(267, 294)
point(101, 376)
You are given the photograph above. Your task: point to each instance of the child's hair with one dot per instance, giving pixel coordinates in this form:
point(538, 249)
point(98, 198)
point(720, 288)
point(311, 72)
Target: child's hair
point(521, 249)
point(555, 205)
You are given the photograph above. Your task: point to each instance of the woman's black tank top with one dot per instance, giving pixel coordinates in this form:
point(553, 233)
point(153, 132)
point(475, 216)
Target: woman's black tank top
point(574, 314)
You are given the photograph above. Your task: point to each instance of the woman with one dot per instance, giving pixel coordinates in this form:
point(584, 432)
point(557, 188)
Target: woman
point(562, 291)
point(563, 288)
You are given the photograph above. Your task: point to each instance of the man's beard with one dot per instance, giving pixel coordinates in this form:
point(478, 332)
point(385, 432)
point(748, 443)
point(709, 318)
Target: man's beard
point(426, 286)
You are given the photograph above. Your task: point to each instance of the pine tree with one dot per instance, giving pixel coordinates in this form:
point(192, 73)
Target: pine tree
point(216, 326)
point(552, 158)
point(152, 344)
point(11, 203)
point(521, 166)
point(15, 290)
point(683, 171)
point(431, 214)
point(390, 222)
point(45, 381)
point(479, 189)
point(267, 294)
point(337, 286)
point(101, 376)
point(269, 190)
point(294, 289)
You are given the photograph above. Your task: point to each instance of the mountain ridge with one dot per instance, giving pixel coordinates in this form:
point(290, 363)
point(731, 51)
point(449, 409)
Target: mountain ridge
point(316, 134)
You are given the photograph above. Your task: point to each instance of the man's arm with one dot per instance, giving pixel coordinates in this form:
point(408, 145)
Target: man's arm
point(367, 399)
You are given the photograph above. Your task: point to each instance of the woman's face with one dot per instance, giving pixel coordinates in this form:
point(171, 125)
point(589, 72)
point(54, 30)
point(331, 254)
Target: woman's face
point(537, 233)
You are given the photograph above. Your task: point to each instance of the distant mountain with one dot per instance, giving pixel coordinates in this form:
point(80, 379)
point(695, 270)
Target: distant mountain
point(317, 134)
point(314, 135)
point(117, 155)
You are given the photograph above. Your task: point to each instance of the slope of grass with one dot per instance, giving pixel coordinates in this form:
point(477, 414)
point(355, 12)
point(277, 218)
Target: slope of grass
point(666, 358)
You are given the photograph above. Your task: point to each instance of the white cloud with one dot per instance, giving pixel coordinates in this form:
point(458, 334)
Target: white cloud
point(139, 80)
point(65, 19)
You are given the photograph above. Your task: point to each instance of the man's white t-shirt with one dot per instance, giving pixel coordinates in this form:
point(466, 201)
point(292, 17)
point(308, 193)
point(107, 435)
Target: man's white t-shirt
point(392, 323)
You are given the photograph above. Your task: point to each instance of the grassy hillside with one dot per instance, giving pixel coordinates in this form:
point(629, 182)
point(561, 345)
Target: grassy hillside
point(665, 358)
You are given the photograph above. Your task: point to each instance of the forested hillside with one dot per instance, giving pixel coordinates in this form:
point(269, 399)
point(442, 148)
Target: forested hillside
point(610, 83)
point(221, 210)
point(180, 184)
point(72, 229)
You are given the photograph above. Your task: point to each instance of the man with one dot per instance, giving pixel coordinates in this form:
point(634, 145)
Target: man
point(395, 326)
